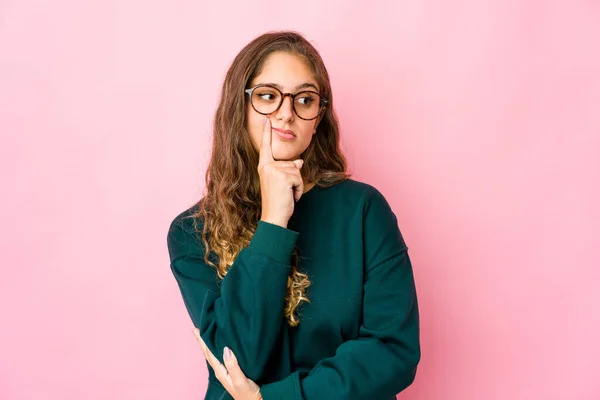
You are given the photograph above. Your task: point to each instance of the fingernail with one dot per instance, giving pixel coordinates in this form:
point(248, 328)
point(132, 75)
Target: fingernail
point(226, 353)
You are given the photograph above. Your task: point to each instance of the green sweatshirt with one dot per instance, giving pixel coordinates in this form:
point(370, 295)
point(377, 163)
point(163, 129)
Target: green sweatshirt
point(358, 337)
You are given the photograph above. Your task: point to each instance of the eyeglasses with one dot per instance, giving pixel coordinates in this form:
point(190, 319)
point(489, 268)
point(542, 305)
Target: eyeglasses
point(266, 99)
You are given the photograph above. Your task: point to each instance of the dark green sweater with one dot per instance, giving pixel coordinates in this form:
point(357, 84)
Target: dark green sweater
point(358, 337)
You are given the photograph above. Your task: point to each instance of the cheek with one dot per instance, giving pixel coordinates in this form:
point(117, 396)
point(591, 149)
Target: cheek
point(254, 128)
point(308, 129)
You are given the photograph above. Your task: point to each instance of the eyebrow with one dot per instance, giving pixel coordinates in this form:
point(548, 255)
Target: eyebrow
point(301, 86)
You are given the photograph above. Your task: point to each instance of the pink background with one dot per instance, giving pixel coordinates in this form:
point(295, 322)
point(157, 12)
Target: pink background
point(479, 121)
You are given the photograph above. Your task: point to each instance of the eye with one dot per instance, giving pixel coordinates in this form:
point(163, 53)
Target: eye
point(305, 100)
point(266, 96)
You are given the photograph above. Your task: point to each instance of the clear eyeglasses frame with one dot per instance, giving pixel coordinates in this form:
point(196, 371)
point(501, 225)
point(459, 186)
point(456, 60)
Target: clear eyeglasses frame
point(268, 107)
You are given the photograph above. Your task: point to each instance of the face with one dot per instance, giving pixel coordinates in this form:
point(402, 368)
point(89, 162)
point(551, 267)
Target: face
point(290, 74)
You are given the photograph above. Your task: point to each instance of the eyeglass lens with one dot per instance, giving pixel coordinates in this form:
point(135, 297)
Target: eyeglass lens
point(266, 100)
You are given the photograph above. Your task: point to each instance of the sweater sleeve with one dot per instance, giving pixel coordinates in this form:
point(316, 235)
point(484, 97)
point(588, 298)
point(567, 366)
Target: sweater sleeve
point(383, 360)
point(244, 311)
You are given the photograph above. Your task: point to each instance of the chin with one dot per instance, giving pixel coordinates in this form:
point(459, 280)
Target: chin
point(285, 158)
point(279, 155)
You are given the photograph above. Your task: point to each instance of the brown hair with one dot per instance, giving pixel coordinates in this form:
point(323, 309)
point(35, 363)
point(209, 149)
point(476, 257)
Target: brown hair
point(231, 204)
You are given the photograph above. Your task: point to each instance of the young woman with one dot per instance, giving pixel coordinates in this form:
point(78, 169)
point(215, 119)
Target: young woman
point(296, 277)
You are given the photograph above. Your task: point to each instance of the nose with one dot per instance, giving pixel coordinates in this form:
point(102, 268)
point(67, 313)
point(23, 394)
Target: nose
point(286, 111)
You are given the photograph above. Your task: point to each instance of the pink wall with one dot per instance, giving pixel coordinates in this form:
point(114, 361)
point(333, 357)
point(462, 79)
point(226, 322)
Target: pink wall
point(479, 120)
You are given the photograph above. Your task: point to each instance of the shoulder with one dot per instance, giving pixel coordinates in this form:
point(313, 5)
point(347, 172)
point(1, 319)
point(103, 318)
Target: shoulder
point(380, 223)
point(183, 237)
point(185, 220)
point(377, 212)
point(360, 193)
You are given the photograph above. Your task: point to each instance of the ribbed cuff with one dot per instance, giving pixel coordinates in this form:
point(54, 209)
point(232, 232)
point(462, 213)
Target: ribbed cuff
point(273, 241)
point(287, 389)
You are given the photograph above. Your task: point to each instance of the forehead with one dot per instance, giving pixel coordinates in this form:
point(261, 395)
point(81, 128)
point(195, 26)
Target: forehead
point(285, 69)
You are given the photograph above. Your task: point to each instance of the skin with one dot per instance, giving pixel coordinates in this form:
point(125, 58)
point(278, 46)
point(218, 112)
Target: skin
point(230, 374)
point(289, 71)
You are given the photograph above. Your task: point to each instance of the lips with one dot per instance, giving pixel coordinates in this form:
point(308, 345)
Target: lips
point(285, 131)
point(285, 134)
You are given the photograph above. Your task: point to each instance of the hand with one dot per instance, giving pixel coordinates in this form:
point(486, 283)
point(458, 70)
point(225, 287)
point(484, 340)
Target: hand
point(280, 182)
point(230, 375)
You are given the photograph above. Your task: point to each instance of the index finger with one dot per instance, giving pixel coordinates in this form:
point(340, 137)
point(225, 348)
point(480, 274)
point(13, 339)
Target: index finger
point(266, 153)
point(220, 369)
point(233, 368)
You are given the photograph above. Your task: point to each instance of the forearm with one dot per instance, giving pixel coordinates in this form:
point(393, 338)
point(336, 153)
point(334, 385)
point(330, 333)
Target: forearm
point(361, 369)
point(248, 315)
point(244, 311)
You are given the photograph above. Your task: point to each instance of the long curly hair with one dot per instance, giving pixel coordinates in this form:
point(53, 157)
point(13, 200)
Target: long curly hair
point(231, 202)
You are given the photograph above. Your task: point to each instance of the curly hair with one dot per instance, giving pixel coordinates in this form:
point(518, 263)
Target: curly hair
point(231, 203)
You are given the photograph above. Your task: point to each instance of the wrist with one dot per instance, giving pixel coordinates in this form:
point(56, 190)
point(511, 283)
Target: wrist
point(275, 221)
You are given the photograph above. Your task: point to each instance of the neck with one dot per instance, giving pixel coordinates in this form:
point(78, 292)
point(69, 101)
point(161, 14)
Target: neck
point(308, 185)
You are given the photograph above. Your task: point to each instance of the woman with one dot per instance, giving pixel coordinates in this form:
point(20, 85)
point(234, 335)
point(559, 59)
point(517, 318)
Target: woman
point(296, 277)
